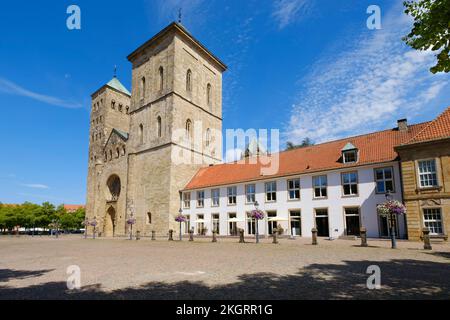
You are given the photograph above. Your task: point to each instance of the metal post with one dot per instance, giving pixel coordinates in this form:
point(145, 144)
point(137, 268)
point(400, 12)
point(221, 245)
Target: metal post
point(363, 233)
point(180, 232)
point(257, 231)
point(214, 238)
point(170, 235)
point(153, 235)
point(393, 240)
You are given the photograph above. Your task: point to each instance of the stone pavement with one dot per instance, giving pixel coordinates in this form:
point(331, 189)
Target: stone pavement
point(35, 268)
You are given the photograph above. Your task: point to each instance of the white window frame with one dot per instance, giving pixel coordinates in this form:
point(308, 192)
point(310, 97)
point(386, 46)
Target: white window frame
point(270, 191)
point(186, 200)
point(231, 195)
point(433, 174)
point(436, 223)
point(294, 188)
point(350, 184)
point(215, 195)
point(248, 194)
point(320, 187)
point(200, 198)
point(384, 180)
point(344, 153)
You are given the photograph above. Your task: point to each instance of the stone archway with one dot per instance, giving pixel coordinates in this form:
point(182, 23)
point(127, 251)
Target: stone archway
point(110, 222)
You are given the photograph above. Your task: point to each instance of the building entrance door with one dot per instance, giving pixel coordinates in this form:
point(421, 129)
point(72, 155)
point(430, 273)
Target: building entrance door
point(322, 223)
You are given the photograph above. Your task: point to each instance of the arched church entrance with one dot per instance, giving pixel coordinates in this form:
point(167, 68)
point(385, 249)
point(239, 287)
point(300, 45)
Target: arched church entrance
point(110, 223)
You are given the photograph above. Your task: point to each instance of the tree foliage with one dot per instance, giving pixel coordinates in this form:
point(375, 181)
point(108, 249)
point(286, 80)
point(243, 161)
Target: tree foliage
point(305, 143)
point(29, 215)
point(431, 29)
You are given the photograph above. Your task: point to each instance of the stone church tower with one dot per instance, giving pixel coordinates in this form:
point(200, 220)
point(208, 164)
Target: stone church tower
point(146, 146)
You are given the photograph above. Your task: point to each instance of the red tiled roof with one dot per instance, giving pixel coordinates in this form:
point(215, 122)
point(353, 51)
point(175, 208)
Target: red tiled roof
point(73, 207)
point(374, 147)
point(437, 129)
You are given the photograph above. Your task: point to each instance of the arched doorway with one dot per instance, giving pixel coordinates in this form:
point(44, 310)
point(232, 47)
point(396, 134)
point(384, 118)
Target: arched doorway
point(110, 223)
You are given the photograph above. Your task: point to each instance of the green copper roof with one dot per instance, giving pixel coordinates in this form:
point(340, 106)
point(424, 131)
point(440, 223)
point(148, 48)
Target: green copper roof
point(115, 84)
point(121, 133)
point(348, 146)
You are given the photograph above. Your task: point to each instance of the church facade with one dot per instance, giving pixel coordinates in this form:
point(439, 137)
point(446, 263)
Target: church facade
point(156, 152)
point(137, 138)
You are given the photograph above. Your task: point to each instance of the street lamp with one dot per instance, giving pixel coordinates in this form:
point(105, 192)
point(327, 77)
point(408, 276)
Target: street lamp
point(389, 197)
point(180, 220)
point(94, 224)
point(256, 204)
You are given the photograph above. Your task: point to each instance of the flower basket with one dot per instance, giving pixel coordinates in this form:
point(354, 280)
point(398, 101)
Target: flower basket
point(391, 207)
point(257, 214)
point(180, 218)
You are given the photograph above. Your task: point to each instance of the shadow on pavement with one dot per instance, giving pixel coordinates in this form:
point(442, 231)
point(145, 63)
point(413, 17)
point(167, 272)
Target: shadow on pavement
point(400, 279)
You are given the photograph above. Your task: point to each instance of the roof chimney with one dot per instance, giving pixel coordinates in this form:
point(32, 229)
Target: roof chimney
point(402, 124)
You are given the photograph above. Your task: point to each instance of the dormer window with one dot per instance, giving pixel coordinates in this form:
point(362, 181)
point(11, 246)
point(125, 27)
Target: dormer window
point(349, 153)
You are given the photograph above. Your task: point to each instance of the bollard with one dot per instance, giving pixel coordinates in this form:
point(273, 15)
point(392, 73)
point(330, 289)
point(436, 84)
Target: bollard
point(191, 235)
point(153, 235)
point(274, 236)
point(138, 235)
point(426, 239)
point(170, 235)
point(241, 236)
point(214, 238)
point(363, 233)
point(314, 236)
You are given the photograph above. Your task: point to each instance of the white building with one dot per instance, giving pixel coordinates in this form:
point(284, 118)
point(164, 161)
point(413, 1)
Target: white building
point(334, 186)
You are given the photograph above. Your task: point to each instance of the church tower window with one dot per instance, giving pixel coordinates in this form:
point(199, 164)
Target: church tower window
point(142, 89)
point(189, 81)
point(161, 78)
point(158, 126)
point(188, 129)
point(209, 96)
point(141, 133)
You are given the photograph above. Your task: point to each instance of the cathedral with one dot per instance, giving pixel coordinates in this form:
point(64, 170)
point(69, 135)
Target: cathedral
point(146, 145)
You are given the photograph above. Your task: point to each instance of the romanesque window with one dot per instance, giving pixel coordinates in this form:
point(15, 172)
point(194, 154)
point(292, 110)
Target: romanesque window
point(188, 129)
point(123, 150)
point(120, 107)
point(110, 155)
point(161, 78)
point(149, 217)
point(113, 104)
point(113, 184)
point(127, 109)
point(106, 156)
point(117, 152)
point(209, 96)
point(158, 126)
point(208, 137)
point(189, 81)
point(142, 89)
point(141, 133)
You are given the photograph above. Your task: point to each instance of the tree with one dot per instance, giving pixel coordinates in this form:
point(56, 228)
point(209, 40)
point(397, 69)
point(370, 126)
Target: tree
point(305, 143)
point(431, 29)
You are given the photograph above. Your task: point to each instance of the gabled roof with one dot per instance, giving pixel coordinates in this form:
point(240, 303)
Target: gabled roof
point(177, 27)
point(122, 135)
point(116, 84)
point(349, 146)
point(377, 147)
point(437, 129)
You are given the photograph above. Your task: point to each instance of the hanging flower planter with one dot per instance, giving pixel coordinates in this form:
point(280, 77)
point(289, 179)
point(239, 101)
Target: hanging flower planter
point(392, 209)
point(180, 218)
point(257, 215)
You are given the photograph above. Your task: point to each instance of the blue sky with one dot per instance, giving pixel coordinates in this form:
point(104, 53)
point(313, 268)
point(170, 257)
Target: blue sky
point(307, 67)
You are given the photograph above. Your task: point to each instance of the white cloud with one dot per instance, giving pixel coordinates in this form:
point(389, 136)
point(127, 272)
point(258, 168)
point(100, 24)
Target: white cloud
point(375, 80)
point(286, 12)
point(233, 155)
point(35, 185)
point(10, 87)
